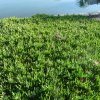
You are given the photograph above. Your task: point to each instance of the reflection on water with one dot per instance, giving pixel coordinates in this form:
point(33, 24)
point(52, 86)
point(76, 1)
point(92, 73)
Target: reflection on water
point(27, 8)
point(84, 3)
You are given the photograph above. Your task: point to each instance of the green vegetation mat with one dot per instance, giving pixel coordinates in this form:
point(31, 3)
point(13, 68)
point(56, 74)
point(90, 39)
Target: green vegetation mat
point(49, 58)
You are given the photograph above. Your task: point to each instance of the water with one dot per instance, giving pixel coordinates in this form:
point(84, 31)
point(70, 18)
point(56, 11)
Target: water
point(27, 8)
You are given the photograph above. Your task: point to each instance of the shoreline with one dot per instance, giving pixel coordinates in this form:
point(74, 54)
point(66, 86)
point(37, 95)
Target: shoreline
point(89, 15)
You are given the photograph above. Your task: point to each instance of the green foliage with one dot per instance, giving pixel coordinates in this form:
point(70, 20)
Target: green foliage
point(49, 58)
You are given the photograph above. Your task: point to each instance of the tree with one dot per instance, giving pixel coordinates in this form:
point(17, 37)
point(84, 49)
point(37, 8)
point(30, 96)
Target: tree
point(84, 3)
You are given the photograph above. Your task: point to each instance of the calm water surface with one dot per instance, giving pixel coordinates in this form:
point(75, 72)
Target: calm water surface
point(26, 8)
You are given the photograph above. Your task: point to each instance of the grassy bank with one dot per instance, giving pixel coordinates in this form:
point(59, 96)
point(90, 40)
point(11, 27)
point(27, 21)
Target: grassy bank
point(49, 58)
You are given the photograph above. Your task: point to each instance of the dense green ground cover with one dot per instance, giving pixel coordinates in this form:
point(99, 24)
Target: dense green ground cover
point(49, 58)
